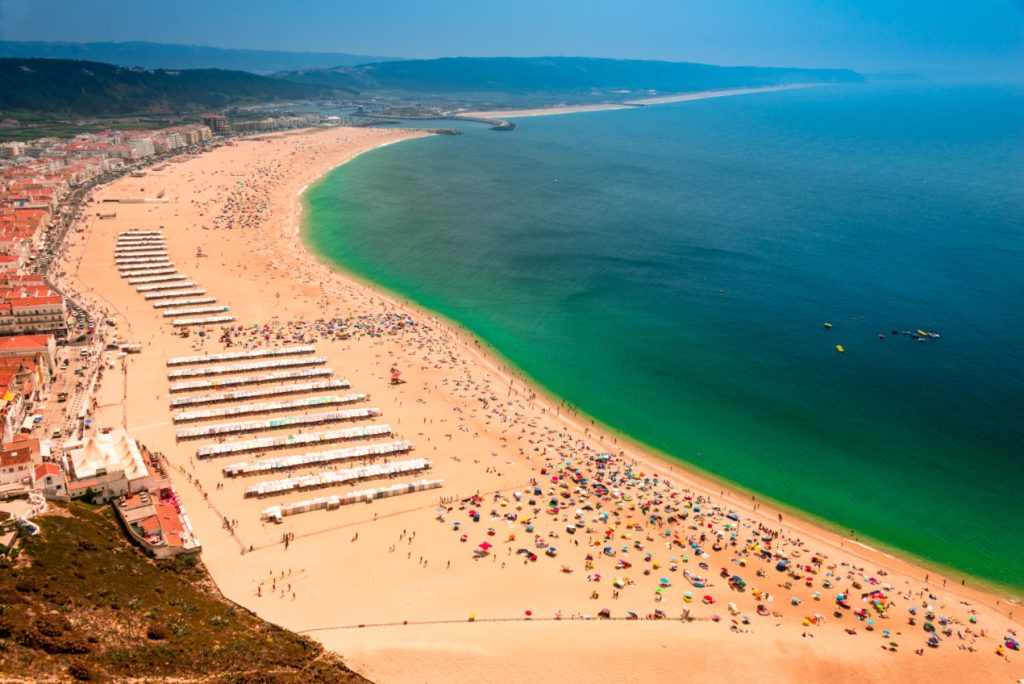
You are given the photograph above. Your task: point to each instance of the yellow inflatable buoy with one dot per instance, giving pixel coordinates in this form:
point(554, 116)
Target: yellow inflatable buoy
point(839, 348)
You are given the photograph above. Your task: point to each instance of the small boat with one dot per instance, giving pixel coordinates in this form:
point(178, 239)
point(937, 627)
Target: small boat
point(828, 326)
point(840, 349)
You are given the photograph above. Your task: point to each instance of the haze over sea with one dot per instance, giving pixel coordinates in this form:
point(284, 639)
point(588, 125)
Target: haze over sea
point(669, 270)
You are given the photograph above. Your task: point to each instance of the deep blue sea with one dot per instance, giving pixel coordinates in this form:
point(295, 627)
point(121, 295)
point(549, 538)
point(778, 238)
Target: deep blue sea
point(669, 270)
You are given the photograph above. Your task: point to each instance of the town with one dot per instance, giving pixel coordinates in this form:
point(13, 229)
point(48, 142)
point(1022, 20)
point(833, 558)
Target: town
point(55, 346)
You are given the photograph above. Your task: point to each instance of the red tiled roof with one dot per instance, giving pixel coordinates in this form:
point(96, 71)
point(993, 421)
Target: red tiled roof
point(44, 469)
point(83, 484)
point(14, 457)
point(170, 523)
point(149, 526)
point(26, 302)
point(20, 440)
point(24, 341)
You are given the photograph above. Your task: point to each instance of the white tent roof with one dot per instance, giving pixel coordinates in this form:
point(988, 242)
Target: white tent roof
point(114, 451)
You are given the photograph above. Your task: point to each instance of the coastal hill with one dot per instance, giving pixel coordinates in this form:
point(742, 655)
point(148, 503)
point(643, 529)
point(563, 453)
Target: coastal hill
point(81, 603)
point(173, 56)
point(61, 87)
point(556, 74)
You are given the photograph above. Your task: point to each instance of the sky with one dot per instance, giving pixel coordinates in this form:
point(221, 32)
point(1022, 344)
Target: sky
point(937, 37)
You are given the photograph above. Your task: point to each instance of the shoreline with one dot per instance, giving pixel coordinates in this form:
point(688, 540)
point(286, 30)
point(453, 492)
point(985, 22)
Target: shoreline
point(635, 448)
point(631, 104)
point(343, 580)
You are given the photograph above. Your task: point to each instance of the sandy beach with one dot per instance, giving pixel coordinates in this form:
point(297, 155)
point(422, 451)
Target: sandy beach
point(404, 587)
point(628, 104)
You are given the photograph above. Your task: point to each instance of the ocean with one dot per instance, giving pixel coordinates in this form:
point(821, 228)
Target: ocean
point(669, 271)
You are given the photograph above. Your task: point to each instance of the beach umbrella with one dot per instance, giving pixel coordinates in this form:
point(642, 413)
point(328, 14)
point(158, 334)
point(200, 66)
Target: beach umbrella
point(485, 546)
point(529, 613)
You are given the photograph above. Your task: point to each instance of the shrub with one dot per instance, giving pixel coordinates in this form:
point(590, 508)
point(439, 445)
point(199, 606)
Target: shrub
point(27, 585)
point(80, 672)
point(52, 625)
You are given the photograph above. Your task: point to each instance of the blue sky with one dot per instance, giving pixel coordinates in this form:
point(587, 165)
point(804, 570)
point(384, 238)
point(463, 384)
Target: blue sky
point(983, 37)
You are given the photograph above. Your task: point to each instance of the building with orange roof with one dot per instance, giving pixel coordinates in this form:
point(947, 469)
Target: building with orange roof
point(22, 378)
point(51, 480)
point(9, 263)
point(12, 404)
point(157, 522)
point(45, 346)
point(16, 465)
point(31, 308)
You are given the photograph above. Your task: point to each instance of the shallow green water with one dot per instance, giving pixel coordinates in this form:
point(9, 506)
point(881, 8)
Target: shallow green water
point(669, 271)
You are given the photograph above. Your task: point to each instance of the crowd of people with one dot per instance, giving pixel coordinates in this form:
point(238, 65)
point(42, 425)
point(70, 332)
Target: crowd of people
point(284, 332)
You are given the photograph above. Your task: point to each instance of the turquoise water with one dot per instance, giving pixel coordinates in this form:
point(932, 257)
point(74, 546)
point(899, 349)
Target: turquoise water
point(669, 270)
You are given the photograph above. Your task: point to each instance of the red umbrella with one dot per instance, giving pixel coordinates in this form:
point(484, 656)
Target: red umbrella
point(485, 546)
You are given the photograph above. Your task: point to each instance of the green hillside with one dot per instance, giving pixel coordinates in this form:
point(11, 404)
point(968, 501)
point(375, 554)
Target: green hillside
point(80, 602)
point(65, 88)
point(556, 74)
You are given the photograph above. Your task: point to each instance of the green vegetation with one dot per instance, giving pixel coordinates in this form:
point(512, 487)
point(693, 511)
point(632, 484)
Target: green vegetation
point(30, 128)
point(62, 90)
point(81, 603)
point(580, 75)
point(66, 88)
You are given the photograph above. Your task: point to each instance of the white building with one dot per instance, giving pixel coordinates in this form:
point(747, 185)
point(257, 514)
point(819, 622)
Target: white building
point(106, 466)
point(143, 147)
point(11, 150)
point(27, 313)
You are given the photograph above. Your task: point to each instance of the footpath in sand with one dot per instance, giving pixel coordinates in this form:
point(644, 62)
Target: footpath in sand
point(393, 585)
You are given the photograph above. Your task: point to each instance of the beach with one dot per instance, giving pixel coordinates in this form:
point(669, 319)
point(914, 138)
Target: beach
point(391, 585)
point(627, 104)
